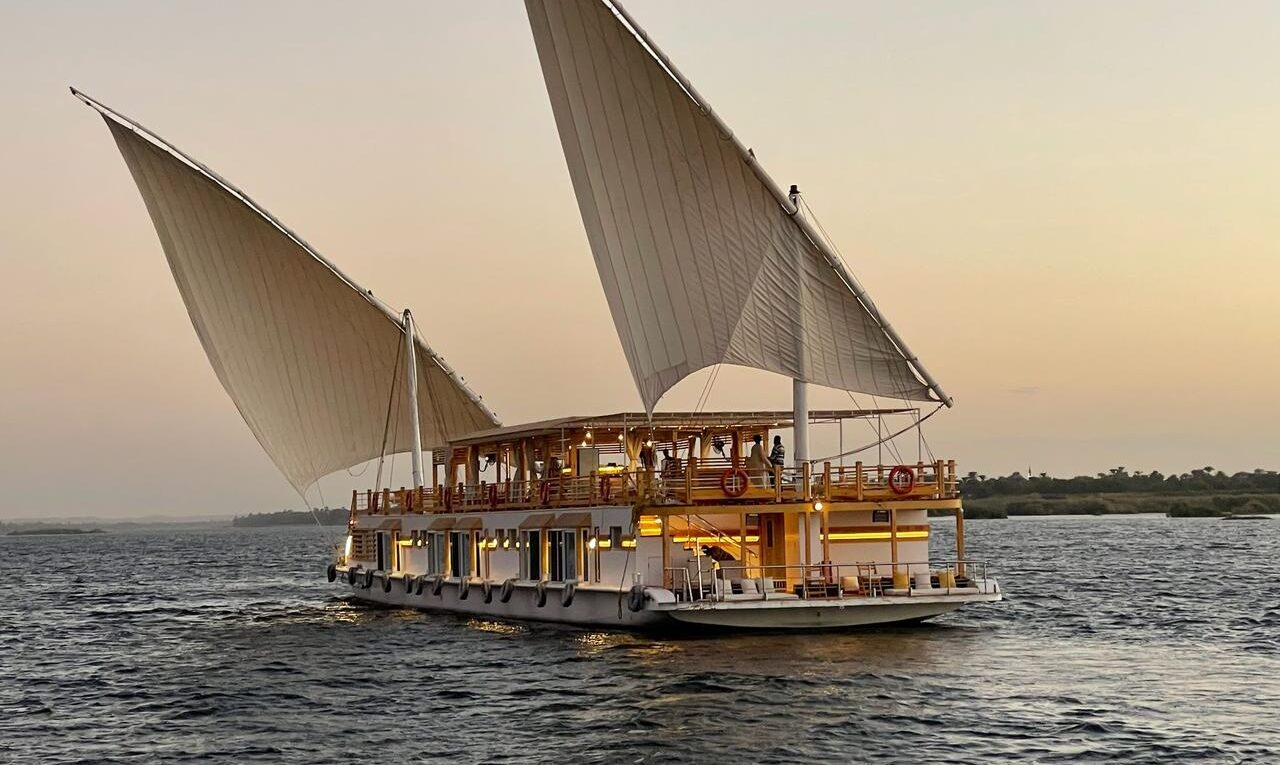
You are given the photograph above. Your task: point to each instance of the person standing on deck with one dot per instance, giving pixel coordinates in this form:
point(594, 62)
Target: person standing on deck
point(778, 457)
point(757, 465)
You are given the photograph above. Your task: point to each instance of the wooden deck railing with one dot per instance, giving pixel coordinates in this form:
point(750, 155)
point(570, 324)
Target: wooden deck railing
point(709, 482)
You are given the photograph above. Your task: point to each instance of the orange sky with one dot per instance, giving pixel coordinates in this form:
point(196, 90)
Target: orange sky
point(1069, 210)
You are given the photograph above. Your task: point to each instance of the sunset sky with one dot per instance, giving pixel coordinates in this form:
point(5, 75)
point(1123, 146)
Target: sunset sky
point(1070, 210)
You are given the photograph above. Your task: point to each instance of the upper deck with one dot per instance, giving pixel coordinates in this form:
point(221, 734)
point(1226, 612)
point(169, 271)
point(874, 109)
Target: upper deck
point(674, 460)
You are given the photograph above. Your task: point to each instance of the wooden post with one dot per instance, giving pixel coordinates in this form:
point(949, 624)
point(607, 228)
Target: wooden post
point(691, 467)
point(777, 483)
point(666, 548)
point(806, 477)
point(826, 481)
point(939, 473)
point(742, 541)
point(893, 538)
point(807, 521)
point(826, 542)
point(857, 479)
point(951, 477)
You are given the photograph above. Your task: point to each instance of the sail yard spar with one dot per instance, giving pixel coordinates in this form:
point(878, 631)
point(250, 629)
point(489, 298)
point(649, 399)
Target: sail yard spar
point(309, 358)
point(702, 258)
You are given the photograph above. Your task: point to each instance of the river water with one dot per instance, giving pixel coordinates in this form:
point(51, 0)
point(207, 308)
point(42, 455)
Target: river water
point(1123, 639)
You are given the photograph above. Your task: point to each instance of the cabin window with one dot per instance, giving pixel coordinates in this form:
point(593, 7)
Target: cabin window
point(460, 553)
point(615, 537)
point(531, 561)
point(564, 554)
point(435, 553)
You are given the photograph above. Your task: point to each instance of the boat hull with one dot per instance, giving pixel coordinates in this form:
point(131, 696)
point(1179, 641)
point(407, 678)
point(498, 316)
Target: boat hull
point(591, 606)
point(605, 607)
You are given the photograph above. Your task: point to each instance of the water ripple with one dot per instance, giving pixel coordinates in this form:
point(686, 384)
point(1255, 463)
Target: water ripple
point(1132, 640)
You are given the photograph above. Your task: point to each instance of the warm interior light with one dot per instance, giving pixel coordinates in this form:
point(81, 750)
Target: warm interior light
point(818, 505)
point(592, 542)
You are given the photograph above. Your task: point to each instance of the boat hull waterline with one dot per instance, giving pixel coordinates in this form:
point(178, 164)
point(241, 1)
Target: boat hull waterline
point(607, 607)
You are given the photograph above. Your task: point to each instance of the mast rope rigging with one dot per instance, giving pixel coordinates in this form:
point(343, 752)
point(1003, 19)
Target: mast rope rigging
point(883, 440)
point(386, 427)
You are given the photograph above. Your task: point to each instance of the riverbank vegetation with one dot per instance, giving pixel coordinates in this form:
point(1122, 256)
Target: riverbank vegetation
point(327, 516)
point(1203, 492)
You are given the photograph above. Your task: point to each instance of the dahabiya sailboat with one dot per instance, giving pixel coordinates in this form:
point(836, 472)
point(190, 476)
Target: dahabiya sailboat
point(704, 260)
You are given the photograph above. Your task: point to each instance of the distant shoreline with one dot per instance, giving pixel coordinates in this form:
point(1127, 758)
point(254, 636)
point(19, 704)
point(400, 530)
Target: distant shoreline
point(323, 516)
point(52, 532)
point(1234, 505)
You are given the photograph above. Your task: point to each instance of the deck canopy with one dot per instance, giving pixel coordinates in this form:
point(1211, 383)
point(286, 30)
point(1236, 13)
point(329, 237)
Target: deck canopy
point(312, 361)
point(663, 425)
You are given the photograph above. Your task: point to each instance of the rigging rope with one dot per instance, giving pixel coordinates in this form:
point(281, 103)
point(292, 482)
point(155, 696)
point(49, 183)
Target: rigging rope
point(386, 427)
point(882, 440)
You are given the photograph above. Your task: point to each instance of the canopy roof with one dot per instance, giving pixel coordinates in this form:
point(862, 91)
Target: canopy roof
point(665, 422)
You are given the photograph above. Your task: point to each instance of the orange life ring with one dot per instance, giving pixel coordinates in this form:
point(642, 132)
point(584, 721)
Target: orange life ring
point(734, 490)
point(544, 492)
point(606, 488)
point(902, 480)
point(448, 498)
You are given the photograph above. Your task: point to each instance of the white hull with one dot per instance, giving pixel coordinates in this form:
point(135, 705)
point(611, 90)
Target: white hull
point(592, 606)
point(601, 606)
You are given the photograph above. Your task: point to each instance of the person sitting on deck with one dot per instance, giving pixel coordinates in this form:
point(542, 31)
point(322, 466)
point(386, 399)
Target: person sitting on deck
point(720, 556)
point(757, 465)
point(778, 457)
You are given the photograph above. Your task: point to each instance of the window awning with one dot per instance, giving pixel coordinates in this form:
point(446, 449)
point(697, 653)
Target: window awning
point(574, 520)
point(537, 521)
point(441, 524)
point(474, 523)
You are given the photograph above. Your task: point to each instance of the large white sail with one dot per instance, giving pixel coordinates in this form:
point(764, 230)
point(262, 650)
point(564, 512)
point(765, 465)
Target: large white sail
point(699, 256)
point(312, 361)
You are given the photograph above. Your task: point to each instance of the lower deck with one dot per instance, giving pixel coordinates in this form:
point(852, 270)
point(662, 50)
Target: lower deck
point(777, 565)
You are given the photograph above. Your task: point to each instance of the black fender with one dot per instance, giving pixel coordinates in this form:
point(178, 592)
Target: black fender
point(508, 587)
point(636, 598)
